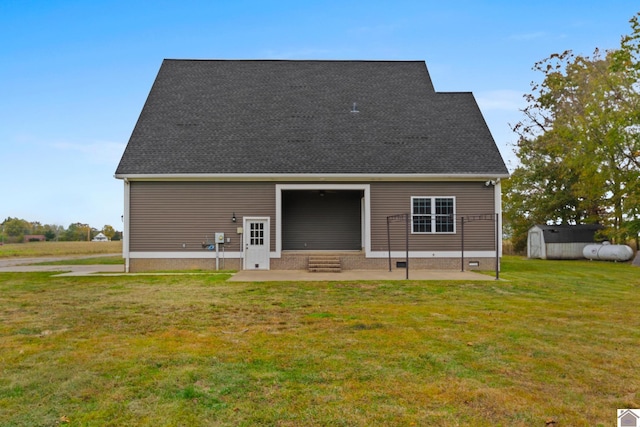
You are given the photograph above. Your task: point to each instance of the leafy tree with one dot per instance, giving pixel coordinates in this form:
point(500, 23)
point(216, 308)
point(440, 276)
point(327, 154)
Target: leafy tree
point(579, 143)
point(108, 231)
point(53, 231)
point(78, 232)
point(15, 229)
point(35, 227)
point(49, 234)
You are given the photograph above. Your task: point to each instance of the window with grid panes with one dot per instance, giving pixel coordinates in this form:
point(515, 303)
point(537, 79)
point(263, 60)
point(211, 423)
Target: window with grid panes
point(433, 214)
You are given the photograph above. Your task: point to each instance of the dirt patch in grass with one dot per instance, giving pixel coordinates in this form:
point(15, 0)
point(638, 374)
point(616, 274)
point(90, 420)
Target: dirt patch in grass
point(550, 341)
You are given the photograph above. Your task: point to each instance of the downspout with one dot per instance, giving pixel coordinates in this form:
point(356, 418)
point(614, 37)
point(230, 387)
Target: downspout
point(125, 220)
point(498, 210)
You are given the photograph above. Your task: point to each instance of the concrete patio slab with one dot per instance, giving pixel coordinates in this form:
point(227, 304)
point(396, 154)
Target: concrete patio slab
point(21, 265)
point(349, 275)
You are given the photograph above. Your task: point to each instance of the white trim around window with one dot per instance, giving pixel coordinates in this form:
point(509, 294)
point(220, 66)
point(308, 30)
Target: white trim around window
point(433, 214)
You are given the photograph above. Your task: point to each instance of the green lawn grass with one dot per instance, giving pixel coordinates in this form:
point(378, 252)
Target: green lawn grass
point(550, 341)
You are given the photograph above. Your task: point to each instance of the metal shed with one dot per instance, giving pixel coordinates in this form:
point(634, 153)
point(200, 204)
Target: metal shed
point(560, 241)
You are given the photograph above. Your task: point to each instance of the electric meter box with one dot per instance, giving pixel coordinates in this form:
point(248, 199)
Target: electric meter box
point(220, 238)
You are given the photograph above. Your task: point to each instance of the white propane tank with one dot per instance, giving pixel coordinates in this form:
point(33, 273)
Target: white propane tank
point(607, 252)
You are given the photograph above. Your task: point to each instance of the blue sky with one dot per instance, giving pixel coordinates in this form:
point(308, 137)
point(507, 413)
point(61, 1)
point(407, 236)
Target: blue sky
point(74, 75)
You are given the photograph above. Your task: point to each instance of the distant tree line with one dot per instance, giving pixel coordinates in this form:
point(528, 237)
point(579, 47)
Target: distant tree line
point(579, 145)
point(14, 230)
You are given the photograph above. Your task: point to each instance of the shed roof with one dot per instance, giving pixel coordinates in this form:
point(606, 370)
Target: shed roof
point(581, 233)
point(307, 117)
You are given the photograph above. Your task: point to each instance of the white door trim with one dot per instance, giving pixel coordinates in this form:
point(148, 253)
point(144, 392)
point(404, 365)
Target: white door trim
point(247, 237)
point(366, 188)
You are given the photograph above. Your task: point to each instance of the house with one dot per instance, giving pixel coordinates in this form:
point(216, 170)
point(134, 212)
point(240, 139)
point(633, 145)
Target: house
point(628, 418)
point(100, 237)
point(264, 164)
point(34, 238)
point(560, 241)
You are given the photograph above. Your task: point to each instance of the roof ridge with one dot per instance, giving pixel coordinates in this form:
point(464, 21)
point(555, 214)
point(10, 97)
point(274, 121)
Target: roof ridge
point(294, 60)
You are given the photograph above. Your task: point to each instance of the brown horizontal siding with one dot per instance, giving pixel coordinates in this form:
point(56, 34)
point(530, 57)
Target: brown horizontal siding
point(321, 221)
point(179, 216)
point(472, 198)
point(164, 216)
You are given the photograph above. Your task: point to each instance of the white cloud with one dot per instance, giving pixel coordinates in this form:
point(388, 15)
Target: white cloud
point(508, 100)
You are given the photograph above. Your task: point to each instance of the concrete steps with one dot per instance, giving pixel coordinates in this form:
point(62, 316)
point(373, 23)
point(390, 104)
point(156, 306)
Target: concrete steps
point(324, 264)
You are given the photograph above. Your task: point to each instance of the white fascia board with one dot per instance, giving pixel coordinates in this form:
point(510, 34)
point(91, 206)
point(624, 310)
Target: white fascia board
point(374, 254)
point(321, 186)
point(311, 177)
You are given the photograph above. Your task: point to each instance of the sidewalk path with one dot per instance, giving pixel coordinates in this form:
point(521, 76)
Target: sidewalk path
point(23, 265)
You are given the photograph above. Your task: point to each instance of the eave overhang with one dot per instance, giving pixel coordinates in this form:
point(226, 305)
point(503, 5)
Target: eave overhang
point(313, 177)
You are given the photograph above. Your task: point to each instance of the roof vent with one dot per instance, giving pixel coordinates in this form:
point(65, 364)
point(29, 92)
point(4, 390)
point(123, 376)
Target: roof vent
point(354, 109)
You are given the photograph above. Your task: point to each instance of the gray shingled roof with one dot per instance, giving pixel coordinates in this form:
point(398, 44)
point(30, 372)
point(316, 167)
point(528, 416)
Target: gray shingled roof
point(583, 233)
point(295, 117)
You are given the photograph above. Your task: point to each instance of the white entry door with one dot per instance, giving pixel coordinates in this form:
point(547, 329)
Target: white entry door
point(256, 244)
